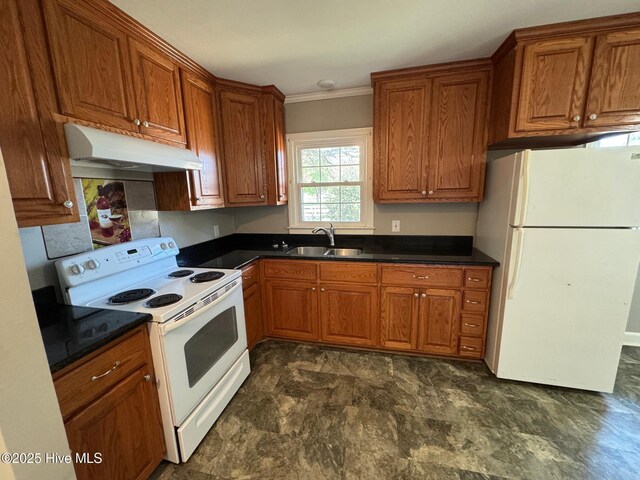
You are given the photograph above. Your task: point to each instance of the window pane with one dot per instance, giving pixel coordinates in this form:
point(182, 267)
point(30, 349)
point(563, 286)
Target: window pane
point(310, 157)
point(330, 212)
point(310, 212)
point(350, 194)
point(634, 138)
point(311, 175)
point(350, 212)
point(329, 174)
point(330, 194)
point(310, 194)
point(330, 156)
point(350, 173)
point(350, 155)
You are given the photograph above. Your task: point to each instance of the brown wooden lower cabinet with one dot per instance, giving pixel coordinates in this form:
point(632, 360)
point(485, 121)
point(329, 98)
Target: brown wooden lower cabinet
point(292, 309)
point(439, 319)
point(412, 308)
point(253, 315)
point(117, 415)
point(348, 314)
point(399, 317)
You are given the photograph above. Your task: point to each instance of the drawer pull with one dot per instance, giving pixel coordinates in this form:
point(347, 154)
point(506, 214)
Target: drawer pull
point(471, 349)
point(115, 365)
point(471, 324)
point(424, 295)
point(416, 295)
point(474, 279)
point(247, 277)
point(147, 378)
point(472, 302)
point(421, 277)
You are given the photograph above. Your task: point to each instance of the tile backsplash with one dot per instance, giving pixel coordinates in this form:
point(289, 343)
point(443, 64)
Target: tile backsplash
point(72, 238)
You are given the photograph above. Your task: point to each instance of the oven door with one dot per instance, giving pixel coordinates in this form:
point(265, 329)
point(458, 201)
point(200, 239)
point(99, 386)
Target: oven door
point(200, 348)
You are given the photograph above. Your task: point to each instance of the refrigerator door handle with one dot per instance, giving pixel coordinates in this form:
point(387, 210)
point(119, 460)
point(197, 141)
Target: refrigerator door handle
point(525, 188)
point(514, 269)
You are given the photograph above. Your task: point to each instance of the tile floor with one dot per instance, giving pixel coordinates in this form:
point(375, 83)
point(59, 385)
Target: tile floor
point(310, 412)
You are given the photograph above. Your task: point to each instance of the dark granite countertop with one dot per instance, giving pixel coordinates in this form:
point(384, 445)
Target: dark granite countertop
point(235, 251)
point(69, 333)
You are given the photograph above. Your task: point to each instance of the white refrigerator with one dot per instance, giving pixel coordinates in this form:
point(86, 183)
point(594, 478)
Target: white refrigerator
point(564, 226)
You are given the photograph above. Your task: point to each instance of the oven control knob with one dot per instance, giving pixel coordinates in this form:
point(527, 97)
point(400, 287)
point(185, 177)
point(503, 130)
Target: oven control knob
point(172, 245)
point(92, 264)
point(163, 246)
point(76, 269)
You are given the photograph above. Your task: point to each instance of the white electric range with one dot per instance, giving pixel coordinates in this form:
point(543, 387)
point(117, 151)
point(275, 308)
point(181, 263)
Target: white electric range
point(197, 330)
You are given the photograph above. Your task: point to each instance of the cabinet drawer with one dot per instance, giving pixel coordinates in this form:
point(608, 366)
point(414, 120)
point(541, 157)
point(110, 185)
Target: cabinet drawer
point(349, 272)
point(476, 278)
point(474, 301)
point(422, 276)
point(470, 347)
point(90, 380)
point(249, 276)
point(292, 269)
point(472, 325)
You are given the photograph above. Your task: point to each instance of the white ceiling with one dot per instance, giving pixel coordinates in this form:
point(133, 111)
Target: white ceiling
point(295, 43)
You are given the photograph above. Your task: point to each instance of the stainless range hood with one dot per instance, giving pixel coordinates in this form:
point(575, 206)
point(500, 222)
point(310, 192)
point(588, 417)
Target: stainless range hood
point(98, 148)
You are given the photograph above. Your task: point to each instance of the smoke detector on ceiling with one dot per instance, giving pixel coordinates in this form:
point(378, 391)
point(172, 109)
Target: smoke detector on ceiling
point(327, 84)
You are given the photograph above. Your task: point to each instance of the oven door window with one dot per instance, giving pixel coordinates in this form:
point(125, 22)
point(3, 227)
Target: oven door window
point(209, 344)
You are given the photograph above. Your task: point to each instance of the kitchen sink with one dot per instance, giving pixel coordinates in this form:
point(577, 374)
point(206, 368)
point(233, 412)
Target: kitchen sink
point(343, 252)
point(311, 251)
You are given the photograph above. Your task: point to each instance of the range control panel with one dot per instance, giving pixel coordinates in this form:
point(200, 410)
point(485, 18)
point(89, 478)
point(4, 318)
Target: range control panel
point(97, 264)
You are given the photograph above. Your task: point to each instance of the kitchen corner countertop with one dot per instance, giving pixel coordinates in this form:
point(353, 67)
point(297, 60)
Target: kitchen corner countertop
point(239, 250)
point(69, 333)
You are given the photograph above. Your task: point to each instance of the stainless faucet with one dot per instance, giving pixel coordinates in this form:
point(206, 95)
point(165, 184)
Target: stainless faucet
point(329, 232)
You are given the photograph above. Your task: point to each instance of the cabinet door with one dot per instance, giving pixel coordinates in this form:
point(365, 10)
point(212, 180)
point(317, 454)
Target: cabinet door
point(124, 426)
point(281, 153)
point(243, 153)
point(203, 138)
point(458, 136)
point(553, 84)
point(156, 80)
point(438, 325)
point(614, 93)
point(348, 314)
point(91, 64)
point(253, 314)
point(292, 309)
point(400, 128)
point(32, 148)
point(399, 318)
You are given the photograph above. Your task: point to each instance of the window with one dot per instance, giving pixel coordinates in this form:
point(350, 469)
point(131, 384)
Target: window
point(331, 180)
point(617, 141)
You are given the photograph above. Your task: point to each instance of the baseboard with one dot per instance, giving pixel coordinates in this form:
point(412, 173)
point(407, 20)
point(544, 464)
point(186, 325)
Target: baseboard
point(632, 339)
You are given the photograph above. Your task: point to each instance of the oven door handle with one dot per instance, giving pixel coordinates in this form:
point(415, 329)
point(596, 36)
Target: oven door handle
point(167, 327)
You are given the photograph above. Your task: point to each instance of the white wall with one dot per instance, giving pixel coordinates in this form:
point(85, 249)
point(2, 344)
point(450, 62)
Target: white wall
point(30, 419)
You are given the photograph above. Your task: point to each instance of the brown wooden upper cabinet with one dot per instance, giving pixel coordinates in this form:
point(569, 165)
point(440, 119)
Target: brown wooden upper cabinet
point(32, 147)
point(196, 189)
point(275, 145)
point(430, 133)
point(105, 76)
point(567, 83)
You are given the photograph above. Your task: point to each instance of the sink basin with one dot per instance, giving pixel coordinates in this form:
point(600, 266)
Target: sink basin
point(311, 251)
point(343, 252)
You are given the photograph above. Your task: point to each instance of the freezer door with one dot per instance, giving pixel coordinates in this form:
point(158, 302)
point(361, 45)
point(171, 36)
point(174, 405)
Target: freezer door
point(578, 187)
point(565, 305)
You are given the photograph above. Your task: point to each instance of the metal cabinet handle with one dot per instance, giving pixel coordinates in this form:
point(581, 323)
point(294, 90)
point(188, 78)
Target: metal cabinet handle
point(577, 118)
point(424, 295)
point(424, 192)
point(416, 295)
point(471, 349)
point(471, 324)
point(136, 122)
point(421, 277)
point(472, 302)
point(593, 116)
point(145, 124)
point(247, 277)
point(313, 289)
point(430, 192)
point(115, 365)
point(147, 378)
point(322, 289)
point(474, 279)
point(67, 204)
point(262, 197)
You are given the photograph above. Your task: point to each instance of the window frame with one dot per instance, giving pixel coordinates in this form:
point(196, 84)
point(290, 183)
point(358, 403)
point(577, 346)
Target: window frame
point(331, 138)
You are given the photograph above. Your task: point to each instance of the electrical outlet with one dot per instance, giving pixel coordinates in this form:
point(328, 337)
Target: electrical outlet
point(216, 231)
point(395, 225)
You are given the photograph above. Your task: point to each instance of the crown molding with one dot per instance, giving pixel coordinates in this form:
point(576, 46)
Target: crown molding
point(345, 92)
